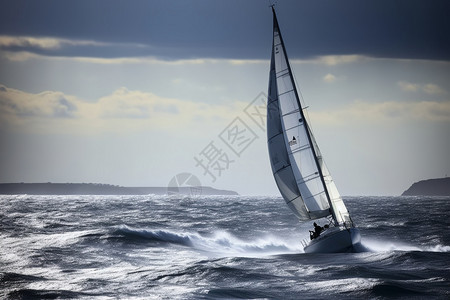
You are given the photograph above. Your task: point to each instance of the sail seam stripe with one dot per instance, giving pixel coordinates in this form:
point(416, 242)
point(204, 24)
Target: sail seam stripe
point(284, 93)
point(287, 74)
point(305, 147)
point(284, 70)
point(291, 112)
point(299, 196)
point(292, 127)
point(312, 196)
point(282, 168)
point(274, 136)
point(309, 179)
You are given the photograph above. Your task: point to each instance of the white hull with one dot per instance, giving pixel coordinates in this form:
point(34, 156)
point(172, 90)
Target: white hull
point(335, 240)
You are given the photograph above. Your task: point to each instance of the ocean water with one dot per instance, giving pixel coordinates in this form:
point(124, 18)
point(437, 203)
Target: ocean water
point(213, 247)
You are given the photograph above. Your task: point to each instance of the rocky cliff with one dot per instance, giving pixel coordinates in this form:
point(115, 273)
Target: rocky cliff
point(430, 187)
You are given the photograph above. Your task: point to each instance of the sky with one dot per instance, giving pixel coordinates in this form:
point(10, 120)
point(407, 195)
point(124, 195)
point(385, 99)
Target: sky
point(134, 93)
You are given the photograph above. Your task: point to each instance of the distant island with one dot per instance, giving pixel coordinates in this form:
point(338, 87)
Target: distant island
point(102, 189)
point(430, 187)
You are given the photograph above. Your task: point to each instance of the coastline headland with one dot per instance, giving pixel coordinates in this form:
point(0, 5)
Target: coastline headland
point(100, 189)
point(429, 187)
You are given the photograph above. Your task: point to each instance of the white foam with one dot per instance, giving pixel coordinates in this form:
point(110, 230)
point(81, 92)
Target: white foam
point(224, 243)
point(438, 248)
point(342, 285)
point(221, 242)
point(375, 245)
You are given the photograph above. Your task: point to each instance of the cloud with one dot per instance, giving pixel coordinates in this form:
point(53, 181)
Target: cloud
point(248, 61)
point(161, 112)
point(429, 88)
point(20, 56)
point(333, 60)
point(47, 43)
point(329, 78)
point(407, 86)
point(20, 48)
point(43, 105)
point(433, 89)
point(385, 112)
point(121, 111)
point(23, 54)
point(125, 104)
point(29, 42)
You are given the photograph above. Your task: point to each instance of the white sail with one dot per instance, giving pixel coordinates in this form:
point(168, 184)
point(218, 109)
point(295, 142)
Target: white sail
point(338, 206)
point(297, 165)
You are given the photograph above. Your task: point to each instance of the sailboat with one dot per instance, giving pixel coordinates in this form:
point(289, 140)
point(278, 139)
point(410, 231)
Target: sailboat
point(297, 164)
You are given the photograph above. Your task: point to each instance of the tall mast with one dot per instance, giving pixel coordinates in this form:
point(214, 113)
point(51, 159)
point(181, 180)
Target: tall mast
point(308, 132)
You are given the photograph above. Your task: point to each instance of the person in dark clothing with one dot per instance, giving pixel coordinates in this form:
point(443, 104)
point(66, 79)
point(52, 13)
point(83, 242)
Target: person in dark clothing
point(317, 230)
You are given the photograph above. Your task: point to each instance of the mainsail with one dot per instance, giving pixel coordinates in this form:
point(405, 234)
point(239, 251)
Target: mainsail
point(297, 164)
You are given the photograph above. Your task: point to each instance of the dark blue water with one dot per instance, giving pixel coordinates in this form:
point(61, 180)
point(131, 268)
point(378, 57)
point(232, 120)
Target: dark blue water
point(159, 247)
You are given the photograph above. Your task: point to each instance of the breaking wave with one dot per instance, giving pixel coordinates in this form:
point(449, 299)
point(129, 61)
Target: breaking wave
point(219, 242)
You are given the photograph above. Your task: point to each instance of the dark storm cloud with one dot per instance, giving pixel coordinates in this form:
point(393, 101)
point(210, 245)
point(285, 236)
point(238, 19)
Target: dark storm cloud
point(233, 29)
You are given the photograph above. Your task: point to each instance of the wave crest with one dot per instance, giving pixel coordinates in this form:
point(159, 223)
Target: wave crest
point(219, 242)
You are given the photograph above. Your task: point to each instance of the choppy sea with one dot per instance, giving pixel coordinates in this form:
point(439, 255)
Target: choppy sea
point(213, 247)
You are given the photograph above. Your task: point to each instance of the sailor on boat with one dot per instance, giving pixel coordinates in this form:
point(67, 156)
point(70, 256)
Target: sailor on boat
point(317, 230)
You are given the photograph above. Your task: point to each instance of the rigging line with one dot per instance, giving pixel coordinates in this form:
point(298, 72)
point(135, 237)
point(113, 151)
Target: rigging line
point(303, 103)
point(302, 100)
point(305, 107)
